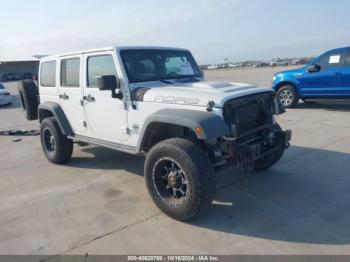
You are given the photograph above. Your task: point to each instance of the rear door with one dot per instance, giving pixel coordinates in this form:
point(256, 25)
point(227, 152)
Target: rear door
point(328, 82)
point(70, 92)
point(346, 70)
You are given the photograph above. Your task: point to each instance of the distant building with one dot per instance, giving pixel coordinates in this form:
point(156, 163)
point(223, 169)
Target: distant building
point(19, 66)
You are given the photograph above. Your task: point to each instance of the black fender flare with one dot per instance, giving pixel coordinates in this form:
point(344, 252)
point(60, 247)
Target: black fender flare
point(212, 125)
point(57, 111)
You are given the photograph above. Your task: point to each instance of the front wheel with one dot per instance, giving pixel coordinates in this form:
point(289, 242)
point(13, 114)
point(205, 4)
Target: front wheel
point(180, 178)
point(287, 96)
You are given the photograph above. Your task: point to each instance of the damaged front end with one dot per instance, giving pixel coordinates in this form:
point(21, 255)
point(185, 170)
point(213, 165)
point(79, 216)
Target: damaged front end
point(254, 134)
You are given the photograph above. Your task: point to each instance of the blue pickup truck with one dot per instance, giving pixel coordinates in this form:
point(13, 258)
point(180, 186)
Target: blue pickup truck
point(325, 77)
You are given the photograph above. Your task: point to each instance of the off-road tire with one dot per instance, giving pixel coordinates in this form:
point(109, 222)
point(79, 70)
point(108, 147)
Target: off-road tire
point(198, 169)
point(271, 159)
point(291, 92)
point(63, 147)
point(28, 96)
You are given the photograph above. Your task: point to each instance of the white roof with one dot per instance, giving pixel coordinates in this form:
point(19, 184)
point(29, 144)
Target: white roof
point(102, 49)
point(111, 48)
point(24, 59)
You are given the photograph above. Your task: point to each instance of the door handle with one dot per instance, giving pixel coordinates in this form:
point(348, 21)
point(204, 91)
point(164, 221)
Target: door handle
point(89, 98)
point(338, 73)
point(64, 96)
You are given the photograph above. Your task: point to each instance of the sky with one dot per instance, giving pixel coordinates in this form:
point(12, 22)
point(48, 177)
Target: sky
point(214, 30)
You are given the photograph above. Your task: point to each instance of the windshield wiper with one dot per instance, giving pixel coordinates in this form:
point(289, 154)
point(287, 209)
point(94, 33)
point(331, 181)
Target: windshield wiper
point(139, 80)
point(187, 79)
point(166, 82)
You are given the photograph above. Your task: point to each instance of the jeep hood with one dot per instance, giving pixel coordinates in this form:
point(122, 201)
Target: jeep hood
point(198, 93)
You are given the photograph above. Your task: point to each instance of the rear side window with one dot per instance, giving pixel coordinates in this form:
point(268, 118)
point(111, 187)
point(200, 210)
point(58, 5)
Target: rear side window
point(346, 59)
point(70, 72)
point(99, 66)
point(48, 74)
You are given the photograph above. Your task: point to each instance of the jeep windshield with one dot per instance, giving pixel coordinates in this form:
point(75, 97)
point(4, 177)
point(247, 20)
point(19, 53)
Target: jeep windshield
point(143, 65)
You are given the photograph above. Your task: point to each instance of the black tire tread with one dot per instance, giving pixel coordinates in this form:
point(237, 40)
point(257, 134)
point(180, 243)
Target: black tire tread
point(195, 159)
point(64, 146)
point(28, 94)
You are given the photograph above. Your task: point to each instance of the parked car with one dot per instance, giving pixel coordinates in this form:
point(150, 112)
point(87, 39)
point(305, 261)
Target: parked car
point(185, 126)
point(233, 65)
point(279, 62)
point(3, 78)
point(5, 96)
point(327, 76)
point(9, 77)
point(27, 76)
point(212, 67)
point(261, 64)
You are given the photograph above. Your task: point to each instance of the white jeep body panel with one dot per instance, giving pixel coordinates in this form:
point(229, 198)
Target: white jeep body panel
point(121, 121)
point(155, 101)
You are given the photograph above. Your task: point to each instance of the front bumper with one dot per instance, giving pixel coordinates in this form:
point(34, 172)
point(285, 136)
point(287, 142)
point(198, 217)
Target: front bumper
point(247, 153)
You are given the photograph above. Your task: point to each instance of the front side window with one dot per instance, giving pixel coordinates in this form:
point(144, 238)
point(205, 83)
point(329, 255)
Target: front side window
point(70, 72)
point(48, 74)
point(144, 65)
point(330, 60)
point(101, 65)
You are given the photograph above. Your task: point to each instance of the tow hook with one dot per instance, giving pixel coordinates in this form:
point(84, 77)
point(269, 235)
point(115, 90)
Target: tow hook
point(282, 137)
point(211, 104)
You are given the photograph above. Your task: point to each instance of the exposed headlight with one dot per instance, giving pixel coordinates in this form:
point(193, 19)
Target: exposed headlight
point(274, 78)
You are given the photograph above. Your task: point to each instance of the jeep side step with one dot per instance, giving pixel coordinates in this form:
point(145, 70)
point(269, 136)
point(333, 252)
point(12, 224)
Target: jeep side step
point(103, 143)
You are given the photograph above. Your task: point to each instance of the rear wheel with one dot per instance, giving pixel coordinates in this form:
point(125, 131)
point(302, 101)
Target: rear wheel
point(56, 146)
point(287, 96)
point(180, 178)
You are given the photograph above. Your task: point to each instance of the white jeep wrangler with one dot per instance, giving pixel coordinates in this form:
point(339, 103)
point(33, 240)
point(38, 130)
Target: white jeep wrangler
point(154, 101)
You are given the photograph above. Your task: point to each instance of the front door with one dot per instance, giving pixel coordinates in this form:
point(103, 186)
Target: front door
point(70, 92)
point(106, 116)
point(328, 82)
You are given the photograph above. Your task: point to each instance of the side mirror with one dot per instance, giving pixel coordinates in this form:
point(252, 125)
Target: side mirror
point(313, 68)
point(110, 82)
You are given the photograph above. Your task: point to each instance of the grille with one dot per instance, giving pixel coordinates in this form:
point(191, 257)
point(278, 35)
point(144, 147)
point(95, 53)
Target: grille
point(249, 113)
